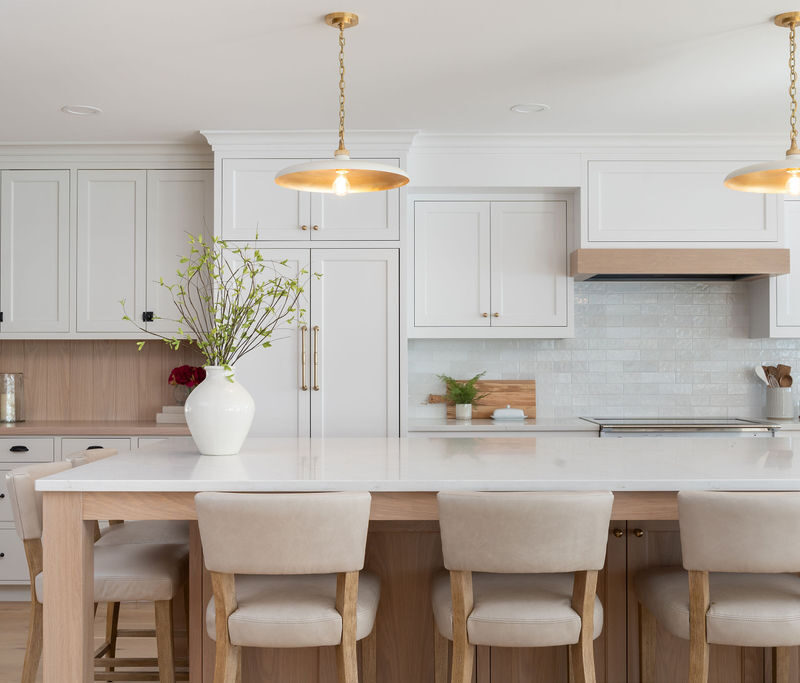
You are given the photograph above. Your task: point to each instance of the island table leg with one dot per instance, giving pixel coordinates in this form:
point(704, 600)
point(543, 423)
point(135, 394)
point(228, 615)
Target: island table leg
point(69, 587)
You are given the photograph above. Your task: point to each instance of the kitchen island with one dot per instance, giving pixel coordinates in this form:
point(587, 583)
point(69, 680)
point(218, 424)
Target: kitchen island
point(403, 546)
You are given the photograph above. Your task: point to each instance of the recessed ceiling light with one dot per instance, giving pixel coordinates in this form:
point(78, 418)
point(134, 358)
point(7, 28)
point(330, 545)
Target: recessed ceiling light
point(81, 109)
point(529, 108)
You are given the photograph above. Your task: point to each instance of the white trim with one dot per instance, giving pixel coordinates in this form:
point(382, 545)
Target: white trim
point(320, 143)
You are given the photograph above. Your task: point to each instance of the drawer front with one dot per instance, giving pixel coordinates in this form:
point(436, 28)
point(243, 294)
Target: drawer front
point(6, 514)
point(13, 566)
point(145, 441)
point(72, 446)
point(26, 450)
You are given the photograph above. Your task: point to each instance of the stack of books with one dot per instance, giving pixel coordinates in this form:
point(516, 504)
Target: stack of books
point(171, 415)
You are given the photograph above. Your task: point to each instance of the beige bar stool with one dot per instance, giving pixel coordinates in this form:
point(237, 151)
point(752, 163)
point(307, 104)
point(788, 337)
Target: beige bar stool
point(741, 552)
point(285, 570)
point(522, 573)
point(122, 573)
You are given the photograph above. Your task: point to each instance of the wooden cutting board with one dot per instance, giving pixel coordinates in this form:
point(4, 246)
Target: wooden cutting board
point(518, 393)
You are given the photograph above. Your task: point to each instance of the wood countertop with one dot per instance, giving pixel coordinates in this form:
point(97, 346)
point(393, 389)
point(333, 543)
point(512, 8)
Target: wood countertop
point(91, 428)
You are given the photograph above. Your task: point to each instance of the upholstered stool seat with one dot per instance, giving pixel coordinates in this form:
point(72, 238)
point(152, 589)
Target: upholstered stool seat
point(145, 572)
point(747, 610)
point(294, 611)
point(516, 610)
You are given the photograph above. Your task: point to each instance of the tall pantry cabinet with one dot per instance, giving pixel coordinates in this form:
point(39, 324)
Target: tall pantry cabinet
point(337, 371)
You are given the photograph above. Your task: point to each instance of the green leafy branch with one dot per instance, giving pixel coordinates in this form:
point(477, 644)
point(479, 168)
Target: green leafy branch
point(463, 391)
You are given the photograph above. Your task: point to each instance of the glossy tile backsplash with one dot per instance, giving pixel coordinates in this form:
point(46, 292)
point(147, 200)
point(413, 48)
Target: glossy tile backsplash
point(640, 349)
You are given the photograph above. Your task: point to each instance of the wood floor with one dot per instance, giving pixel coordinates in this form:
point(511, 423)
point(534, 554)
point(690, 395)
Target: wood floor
point(14, 628)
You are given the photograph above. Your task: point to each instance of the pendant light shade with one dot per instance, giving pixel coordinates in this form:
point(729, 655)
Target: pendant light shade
point(341, 175)
point(781, 176)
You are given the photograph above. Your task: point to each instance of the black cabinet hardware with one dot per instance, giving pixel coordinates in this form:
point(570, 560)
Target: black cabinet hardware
point(19, 449)
point(2, 495)
point(91, 448)
point(147, 316)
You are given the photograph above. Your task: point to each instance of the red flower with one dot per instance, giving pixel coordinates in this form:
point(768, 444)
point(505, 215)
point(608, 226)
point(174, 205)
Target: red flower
point(187, 375)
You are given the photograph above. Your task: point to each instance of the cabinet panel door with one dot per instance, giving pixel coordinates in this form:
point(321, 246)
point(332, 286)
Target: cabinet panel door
point(112, 215)
point(529, 264)
point(787, 298)
point(274, 376)
point(179, 204)
point(674, 201)
point(34, 251)
point(361, 216)
point(355, 342)
point(451, 264)
point(252, 204)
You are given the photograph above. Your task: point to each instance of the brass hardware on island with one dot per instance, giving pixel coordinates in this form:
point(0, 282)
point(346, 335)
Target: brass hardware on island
point(618, 533)
point(638, 533)
point(303, 357)
point(304, 227)
point(485, 315)
point(315, 227)
point(496, 315)
point(316, 358)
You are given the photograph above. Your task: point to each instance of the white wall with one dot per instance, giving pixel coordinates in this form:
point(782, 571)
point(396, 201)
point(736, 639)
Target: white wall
point(640, 349)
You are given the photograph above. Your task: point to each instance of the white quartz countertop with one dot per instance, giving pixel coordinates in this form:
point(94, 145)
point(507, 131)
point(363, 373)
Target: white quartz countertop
point(435, 464)
point(443, 424)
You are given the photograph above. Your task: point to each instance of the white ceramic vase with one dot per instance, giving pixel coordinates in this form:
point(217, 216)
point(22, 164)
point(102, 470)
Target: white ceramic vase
point(463, 411)
point(219, 413)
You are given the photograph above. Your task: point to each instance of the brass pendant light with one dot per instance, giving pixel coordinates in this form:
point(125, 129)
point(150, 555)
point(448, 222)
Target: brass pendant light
point(341, 175)
point(782, 176)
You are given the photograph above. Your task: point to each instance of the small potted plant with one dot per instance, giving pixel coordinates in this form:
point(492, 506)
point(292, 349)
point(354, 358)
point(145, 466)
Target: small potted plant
point(463, 393)
point(185, 378)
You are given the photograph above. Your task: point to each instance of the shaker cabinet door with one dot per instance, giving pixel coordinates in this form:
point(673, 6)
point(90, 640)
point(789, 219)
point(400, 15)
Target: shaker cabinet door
point(355, 349)
point(451, 264)
point(529, 264)
point(112, 210)
point(34, 251)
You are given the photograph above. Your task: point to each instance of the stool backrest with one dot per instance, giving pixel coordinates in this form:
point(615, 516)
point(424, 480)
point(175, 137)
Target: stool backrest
point(525, 532)
point(752, 532)
point(275, 533)
point(26, 501)
point(89, 456)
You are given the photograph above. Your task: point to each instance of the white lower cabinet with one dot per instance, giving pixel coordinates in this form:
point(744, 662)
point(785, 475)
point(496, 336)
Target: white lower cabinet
point(337, 373)
point(488, 269)
point(70, 446)
point(13, 565)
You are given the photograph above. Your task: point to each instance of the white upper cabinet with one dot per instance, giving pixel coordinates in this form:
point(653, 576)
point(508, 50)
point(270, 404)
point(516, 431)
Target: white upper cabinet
point(488, 269)
point(179, 204)
point(112, 214)
point(529, 264)
point(451, 264)
point(644, 203)
point(34, 251)
point(254, 206)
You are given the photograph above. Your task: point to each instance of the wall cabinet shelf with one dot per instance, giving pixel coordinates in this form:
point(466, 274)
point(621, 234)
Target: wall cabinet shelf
point(491, 269)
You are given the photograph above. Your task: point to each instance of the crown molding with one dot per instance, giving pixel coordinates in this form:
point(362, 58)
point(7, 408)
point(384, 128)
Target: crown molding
point(311, 142)
point(112, 152)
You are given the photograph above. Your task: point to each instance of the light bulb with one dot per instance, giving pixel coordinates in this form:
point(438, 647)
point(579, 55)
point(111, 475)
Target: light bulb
point(793, 184)
point(341, 186)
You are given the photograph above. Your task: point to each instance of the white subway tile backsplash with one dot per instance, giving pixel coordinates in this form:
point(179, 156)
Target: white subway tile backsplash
point(641, 349)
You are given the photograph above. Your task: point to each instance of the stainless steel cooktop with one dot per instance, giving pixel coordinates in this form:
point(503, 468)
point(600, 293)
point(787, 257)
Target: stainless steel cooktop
point(722, 426)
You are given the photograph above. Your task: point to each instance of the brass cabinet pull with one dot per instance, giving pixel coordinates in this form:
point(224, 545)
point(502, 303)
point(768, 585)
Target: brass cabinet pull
point(316, 358)
point(485, 315)
point(315, 227)
point(303, 358)
point(304, 227)
point(638, 533)
point(496, 315)
point(619, 533)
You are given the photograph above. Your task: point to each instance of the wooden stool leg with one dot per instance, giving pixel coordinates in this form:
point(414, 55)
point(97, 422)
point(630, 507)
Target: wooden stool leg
point(780, 664)
point(33, 651)
point(698, 643)
point(584, 590)
point(463, 652)
point(441, 655)
point(369, 657)
point(164, 641)
point(647, 645)
point(346, 603)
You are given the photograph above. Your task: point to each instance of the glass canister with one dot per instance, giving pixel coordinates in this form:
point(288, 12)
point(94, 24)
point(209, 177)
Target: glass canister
point(12, 397)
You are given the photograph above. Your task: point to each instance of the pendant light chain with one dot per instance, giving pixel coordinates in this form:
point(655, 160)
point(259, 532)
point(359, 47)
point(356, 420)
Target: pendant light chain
point(341, 89)
point(793, 86)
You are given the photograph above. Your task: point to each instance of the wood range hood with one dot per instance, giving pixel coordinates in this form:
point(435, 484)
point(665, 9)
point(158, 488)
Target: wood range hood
point(678, 264)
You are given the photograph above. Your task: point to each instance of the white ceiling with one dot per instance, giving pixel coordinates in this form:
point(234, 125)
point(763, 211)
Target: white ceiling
point(163, 69)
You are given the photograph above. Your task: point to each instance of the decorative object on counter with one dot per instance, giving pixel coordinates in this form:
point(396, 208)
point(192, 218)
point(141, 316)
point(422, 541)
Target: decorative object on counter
point(185, 378)
point(12, 397)
point(463, 393)
point(341, 175)
point(780, 405)
point(781, 176)
point(509, 413)
point(499, 394)
point(229, 302)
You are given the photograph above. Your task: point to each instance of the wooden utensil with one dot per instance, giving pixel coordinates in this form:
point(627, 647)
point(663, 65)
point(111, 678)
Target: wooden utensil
point(783, 370)
point(785, 381)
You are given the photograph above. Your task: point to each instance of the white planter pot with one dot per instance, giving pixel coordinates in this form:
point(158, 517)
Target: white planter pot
point(463, 411)
point(219, 413)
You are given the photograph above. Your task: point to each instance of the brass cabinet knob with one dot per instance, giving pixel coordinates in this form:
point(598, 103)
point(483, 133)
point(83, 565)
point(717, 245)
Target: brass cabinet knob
point(618, 533)
point(485, 315)
point(304, 227)
point(496, 315)
point(315, 227)
point(638, 533)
